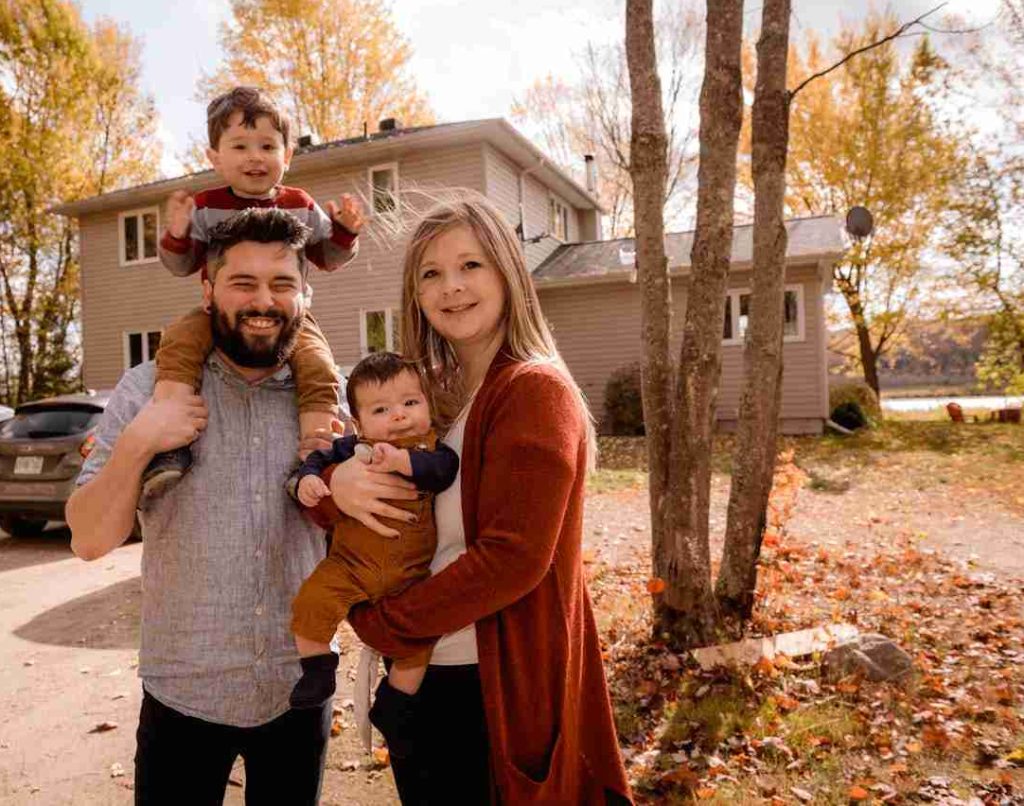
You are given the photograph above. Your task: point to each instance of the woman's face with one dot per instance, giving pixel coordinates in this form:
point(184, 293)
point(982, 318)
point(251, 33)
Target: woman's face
point(460, 292)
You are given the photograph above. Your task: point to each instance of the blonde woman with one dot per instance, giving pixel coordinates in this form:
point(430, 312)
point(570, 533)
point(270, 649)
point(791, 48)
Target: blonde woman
point(514, 707)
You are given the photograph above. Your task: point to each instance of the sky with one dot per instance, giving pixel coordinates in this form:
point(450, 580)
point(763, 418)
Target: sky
point(471, 57)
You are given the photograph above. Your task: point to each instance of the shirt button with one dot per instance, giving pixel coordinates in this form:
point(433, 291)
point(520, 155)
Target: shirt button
point(259, 611)
point(255, 440)
point(259, 553)
point(258, 497)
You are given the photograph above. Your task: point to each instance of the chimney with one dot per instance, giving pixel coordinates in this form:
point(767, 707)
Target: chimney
point(305, 141)
point(591, 171)
point(389, 125)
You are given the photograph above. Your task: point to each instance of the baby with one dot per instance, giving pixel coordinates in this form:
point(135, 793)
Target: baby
point(250, 149)
point(393, 421)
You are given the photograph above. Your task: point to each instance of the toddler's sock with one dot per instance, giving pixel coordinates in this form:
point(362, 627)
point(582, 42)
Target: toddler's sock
point(316, 686)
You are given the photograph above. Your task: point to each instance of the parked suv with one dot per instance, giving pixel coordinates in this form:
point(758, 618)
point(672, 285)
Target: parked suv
point(42, 448)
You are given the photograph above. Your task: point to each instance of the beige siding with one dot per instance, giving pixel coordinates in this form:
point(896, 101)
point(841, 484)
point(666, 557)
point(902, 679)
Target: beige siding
point(117, 299)
point(503, 188)
point(597, 328)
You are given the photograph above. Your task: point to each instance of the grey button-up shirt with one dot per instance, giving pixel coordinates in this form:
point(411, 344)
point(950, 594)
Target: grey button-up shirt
point(224, 551)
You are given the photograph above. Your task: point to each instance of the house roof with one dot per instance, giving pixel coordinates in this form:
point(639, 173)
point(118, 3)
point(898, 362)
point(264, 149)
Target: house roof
point(377, 147)
point(810, 239)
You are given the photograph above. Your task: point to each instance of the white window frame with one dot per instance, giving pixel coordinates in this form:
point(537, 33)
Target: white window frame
point(561, 210)
point(139, 213)
point(734, 295)
point(126, 349)
point(389, 330)
point(384, 166)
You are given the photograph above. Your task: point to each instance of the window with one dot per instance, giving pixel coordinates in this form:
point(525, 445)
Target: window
point(384, 187)
point(140, 347)
point(558, 219)
point(379, 331)
point(737, 315)
point(139, 237)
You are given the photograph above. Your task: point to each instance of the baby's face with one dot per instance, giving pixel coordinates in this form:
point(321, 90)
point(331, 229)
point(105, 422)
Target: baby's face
point(252, 161)
point(393, 409)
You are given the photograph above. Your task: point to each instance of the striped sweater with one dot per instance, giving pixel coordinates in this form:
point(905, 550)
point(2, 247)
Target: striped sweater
point(330, 246)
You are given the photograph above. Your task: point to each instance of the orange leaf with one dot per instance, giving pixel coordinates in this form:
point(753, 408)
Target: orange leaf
point(336, 727)
point(381, 756)
point(899, 768)
point(858, 793)
point(935, 737)
point(656, 585)
point(705, 793)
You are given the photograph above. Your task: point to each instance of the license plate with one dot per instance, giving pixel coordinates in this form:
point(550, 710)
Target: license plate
point(28, 465)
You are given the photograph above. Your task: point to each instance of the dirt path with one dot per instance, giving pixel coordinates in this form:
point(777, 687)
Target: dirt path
point(68, 648)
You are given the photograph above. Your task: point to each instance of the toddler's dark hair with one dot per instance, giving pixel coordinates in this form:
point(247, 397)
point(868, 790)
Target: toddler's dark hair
point(376, 368)
point(253, 103)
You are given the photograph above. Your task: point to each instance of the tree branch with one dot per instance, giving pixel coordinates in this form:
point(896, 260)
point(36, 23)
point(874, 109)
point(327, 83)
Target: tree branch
point(871, 46)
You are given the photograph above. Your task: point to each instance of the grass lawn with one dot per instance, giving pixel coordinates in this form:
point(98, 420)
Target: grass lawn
point(781, 732)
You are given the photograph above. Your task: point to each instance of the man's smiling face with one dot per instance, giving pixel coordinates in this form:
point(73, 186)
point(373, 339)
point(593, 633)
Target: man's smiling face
point(257, 303)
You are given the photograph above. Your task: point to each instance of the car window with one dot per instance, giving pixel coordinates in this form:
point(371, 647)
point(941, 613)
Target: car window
point(50, 422)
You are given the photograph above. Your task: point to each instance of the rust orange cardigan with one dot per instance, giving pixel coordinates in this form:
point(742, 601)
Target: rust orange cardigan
point(549, 718)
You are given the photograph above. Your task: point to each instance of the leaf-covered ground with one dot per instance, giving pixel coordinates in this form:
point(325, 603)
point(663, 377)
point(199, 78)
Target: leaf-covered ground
point(915, 531)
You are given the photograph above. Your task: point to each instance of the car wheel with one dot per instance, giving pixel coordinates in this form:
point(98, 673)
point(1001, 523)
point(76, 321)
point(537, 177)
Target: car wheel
point(21, 527)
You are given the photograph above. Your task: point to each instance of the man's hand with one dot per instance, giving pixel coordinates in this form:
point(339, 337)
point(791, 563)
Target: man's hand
point(349, 213)
point(179, 213)
point(311, 490)
point(389, 459)
point(163, 425)
point(360, 492)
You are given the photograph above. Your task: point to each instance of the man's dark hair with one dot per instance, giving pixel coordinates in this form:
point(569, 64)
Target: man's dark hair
point(253, 103)
point(260, 225)
point(376, 368)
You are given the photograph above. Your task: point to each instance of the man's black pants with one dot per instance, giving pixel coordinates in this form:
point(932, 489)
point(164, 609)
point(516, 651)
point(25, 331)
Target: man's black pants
point(181, 759)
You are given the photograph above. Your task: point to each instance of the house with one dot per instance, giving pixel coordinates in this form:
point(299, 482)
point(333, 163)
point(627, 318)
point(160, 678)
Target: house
point(586, 284)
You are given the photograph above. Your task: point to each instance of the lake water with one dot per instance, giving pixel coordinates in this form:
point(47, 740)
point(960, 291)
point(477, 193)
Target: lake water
point(929, 403)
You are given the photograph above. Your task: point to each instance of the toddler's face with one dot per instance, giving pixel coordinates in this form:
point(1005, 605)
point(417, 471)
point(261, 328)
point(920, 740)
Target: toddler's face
point(393, 409)
point(252, 160)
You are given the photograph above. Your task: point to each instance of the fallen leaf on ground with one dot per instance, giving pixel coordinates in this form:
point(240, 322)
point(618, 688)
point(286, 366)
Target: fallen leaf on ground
point(103, 727)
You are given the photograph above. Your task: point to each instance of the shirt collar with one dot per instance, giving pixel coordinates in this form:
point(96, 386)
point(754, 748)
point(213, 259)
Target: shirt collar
point(281, 379)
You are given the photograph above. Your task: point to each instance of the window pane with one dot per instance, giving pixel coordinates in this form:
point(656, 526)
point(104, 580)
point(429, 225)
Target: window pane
point(396, 338)
point(131, 238)
point(38, 423)
point(149, 238)
point(134, 349)
point(744, 314)
point(727, 330)
point(791, 327)
point(152, 343)
point(376, 332)
point(383, 190)
point(565, 224)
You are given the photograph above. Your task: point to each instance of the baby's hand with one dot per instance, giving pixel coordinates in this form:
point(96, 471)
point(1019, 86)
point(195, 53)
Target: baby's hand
point(311, 490)
point(179, 213)
point(389, 459)
point(349, 213)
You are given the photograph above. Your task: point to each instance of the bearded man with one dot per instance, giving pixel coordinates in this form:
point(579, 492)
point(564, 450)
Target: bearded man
point(225, 550)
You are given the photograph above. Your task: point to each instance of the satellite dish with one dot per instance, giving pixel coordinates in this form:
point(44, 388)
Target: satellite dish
point(859, 222)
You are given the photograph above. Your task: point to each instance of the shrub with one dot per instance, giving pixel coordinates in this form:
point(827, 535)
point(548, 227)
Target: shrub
point(850, 415)
point(855, 391)
point(623, 405)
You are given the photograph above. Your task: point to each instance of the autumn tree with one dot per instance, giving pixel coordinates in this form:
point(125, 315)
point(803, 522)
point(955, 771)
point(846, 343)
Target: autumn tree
point(72, 124)
point(334, 65)
point(592, 115)
point(871, 134)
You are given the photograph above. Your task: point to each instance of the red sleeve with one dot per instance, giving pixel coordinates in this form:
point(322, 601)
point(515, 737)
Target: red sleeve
point(341, 236)
point(534, 446)
point(175, 245)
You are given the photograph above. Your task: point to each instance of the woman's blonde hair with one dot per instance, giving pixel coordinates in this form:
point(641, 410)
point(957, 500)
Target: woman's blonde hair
point(526, 331)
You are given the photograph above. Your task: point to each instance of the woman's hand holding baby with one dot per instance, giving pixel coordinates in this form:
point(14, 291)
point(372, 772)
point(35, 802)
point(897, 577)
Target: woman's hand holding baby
point(311, 490)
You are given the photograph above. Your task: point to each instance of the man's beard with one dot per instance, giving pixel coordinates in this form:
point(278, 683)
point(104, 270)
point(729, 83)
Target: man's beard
point(254, 351)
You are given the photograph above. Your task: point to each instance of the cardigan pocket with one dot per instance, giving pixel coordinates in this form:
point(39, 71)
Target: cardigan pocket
point(524, 787)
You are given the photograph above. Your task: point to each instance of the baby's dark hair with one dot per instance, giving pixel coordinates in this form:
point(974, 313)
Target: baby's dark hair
point(253, 103)
point(376, 368)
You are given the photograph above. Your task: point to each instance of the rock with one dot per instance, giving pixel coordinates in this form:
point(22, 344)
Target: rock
point(873, 656)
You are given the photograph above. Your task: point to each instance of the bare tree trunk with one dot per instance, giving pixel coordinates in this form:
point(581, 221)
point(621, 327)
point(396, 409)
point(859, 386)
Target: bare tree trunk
point(686, 612)
point(754, 458)
point(648, 168)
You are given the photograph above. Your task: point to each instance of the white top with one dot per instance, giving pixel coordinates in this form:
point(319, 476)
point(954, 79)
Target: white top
point(457, 648)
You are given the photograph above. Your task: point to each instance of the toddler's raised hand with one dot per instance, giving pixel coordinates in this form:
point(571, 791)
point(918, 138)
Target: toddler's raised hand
point(349, 213)
point(179, 213)
point(311, 490)
point(389, 459)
